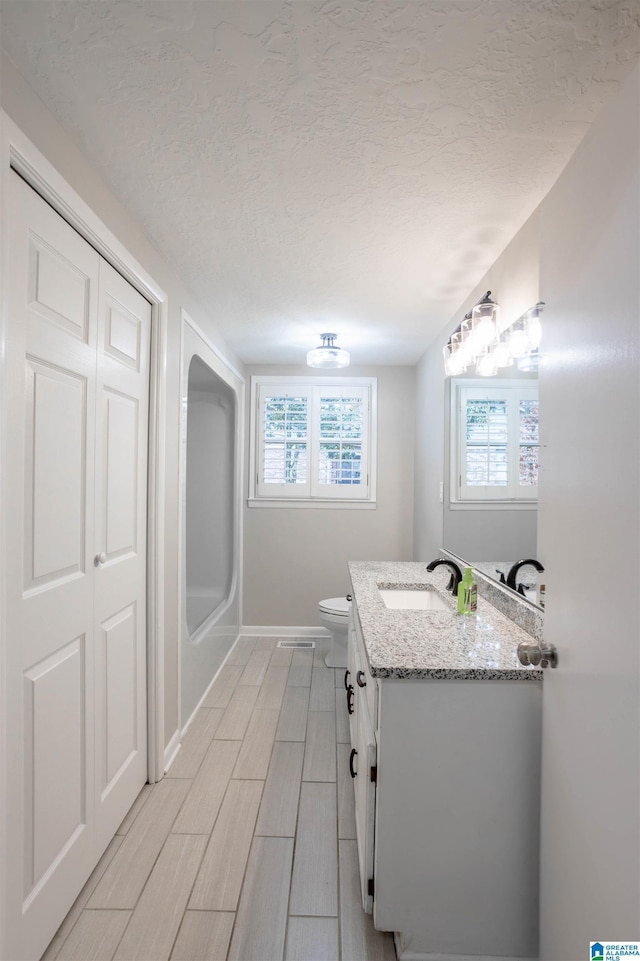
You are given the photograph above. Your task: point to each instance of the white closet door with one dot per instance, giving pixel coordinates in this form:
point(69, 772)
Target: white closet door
point(57, 668)
point(124, 327)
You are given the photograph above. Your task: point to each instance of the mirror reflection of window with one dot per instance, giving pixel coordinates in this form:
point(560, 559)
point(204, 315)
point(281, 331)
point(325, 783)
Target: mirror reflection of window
point(495, 440)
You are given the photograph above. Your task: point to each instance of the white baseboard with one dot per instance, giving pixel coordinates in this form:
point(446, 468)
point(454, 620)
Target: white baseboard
point(172, 749)
point(271, 631)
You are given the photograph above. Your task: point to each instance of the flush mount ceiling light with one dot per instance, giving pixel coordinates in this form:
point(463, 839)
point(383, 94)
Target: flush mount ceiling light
point(328, 355)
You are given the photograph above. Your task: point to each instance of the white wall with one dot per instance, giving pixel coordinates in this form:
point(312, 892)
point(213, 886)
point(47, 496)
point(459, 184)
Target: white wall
point(514, 282)
point(589, 538)
point(294, 557)
point(29, 113)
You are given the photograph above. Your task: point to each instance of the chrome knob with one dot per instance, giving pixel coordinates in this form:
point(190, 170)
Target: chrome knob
point(99, 559)
point(532, 654)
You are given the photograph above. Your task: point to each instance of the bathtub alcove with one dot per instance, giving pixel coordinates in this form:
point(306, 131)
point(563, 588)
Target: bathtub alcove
point(210, 516)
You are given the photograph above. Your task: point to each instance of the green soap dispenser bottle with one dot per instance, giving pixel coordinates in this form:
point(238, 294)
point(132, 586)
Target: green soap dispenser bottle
point(467, 593)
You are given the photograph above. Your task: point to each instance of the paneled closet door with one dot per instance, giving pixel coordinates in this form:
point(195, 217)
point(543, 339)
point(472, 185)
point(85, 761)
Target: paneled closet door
point(71, 670)
point(122, 406)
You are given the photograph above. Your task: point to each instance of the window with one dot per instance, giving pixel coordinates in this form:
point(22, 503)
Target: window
point(494, 441)
point(313, 440)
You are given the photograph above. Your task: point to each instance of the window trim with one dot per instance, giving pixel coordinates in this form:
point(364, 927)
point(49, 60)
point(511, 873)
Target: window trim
point(490, 499)
point(291, 384)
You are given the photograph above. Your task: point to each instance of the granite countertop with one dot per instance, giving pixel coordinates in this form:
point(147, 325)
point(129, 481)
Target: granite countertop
point(433, 644)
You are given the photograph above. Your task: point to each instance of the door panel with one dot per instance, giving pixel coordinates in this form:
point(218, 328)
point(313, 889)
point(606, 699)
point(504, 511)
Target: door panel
point(55, 482)
point(55, 776)
point(77, 360)
point(124, 328)
point(121, 416)
point(117, 699)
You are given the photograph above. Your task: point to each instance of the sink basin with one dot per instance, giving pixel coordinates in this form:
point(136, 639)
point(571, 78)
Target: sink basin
point(420, 600)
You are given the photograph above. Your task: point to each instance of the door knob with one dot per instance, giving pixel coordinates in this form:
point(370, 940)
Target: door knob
point(531, 653)
point(99, 559)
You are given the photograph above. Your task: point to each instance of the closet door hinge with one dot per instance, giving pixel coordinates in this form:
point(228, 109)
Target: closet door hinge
point(373, 774)
point(370, 887)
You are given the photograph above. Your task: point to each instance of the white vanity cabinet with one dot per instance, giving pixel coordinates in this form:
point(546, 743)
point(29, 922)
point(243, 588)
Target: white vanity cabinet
point(448, 829)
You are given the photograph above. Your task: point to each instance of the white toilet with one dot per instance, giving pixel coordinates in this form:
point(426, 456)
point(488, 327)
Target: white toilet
point(334, 615)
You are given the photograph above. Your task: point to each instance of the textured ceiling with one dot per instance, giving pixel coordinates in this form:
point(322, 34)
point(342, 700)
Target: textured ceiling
point(343, 165)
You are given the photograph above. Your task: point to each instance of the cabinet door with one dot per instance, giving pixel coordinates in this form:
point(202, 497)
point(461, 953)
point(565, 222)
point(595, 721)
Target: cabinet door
point(364, 765)
point(352, 670)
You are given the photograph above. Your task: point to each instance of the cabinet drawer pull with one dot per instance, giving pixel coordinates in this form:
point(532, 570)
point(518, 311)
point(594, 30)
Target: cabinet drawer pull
point(350, 699)
point(353, 754)
point(346, 679)
point(360, 679)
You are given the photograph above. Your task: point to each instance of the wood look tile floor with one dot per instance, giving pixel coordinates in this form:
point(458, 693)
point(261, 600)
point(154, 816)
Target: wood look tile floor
point(246, 850)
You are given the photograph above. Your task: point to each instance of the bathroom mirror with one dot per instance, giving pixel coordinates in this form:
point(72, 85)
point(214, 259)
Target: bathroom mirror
point(490, 533)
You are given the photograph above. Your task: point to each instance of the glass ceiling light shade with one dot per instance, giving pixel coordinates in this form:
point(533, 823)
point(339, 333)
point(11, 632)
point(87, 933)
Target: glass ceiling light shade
point(484, 317)
point(532, 325)
point(328, 355)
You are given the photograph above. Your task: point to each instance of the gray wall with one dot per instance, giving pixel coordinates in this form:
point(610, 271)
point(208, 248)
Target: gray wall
point(294, 557)
point(482, 534)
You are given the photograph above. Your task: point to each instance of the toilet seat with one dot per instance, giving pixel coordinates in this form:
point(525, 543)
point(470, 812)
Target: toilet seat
point(338, 606)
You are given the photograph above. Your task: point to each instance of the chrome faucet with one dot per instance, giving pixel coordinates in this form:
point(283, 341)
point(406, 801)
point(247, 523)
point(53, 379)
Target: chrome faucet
point(456, 573)
point(511, 576)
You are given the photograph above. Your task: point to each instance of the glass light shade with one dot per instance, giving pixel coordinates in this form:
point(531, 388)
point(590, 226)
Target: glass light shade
point(501, 354)
point(484, 317)
point(328, 355)
point(518, 341)
point(533, 327)
point(454, 363)
point(486, 365)
point(529, 362)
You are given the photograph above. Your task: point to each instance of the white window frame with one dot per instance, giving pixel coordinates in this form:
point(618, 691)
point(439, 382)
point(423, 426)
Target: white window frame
point(511, 495)
point(312, 493)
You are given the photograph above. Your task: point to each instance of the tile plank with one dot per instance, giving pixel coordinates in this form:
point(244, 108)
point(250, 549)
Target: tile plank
point(314, 886)
point(236, 717)
point(281, 657)
point(200, 809)
point(301, 667)
point(312, 939)
point(135, 809)
point(157, 916)
point(293, 715)
point(279, 808)
point(95, 936)
point(256, 667)
point(273, 687)
point(320, 748)
point(241, 651)
point(204, 936)
point(195, 743)
point(261, 919)
point(126, 875)
point(57, 941)
point(266, 643)
point(255, 753)
point(224, 685)
point(323, 690)
point(219, 880)
point(359, 939)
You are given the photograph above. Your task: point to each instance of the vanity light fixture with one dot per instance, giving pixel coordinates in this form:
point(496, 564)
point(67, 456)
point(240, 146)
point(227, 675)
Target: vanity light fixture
point(477, 341)
point(328, 354)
